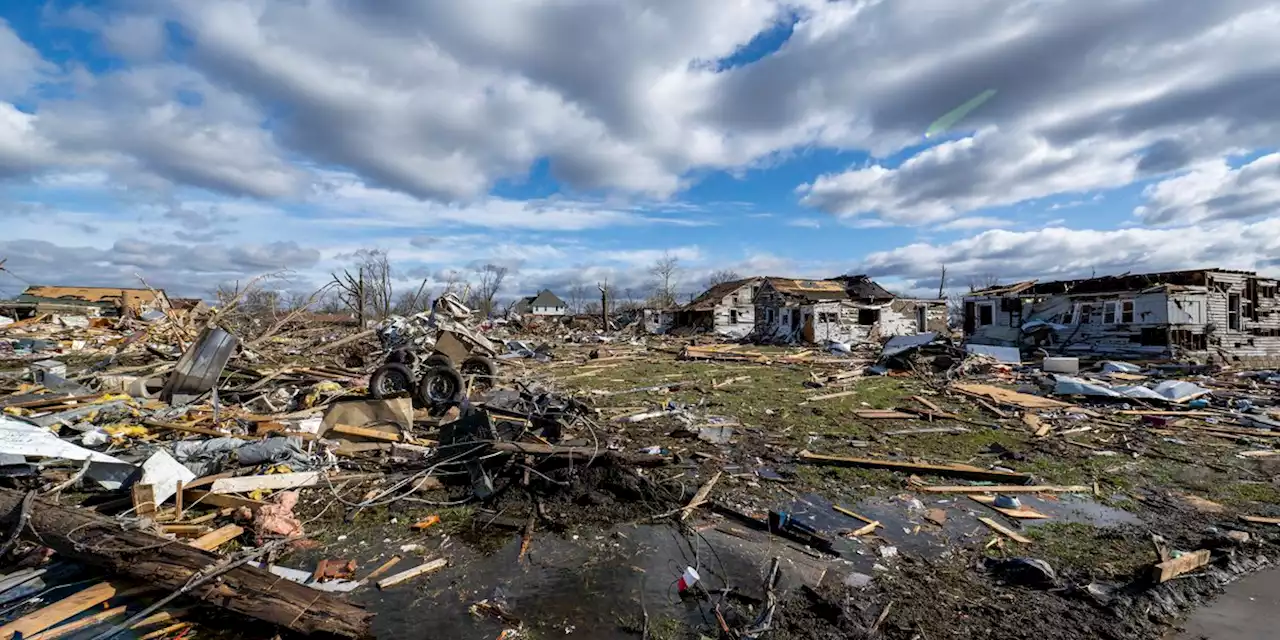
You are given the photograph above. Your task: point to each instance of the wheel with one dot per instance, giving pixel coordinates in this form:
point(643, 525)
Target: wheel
point(438, 360)
point(441, 386)
point(484, 370)
point(402, 356)
point(391, 380)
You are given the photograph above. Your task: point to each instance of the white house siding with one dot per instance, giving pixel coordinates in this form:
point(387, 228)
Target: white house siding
point(740, 303)
point(549, 311)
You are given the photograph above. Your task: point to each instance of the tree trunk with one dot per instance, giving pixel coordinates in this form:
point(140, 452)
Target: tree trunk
point(100, 541)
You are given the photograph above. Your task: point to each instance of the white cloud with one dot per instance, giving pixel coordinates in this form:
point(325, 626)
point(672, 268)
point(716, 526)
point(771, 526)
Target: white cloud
point(1215, 191)
point(1063, 253)
point(805, 223)
point(974, 222)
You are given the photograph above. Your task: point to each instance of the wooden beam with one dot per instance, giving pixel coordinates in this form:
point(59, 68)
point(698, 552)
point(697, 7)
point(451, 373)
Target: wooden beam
point(217, 537)
point(954, 470)
point(82, 623)
point(76, 534)
point(1185, 563)
point(221, 501)
point(362, 432)
point(1008, 488)
point(420, 570)
point(1260, 519)
point(68, 607)
point(1001, 529)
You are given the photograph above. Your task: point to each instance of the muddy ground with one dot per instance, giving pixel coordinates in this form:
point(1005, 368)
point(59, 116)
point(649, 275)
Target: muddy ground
point(597, 566)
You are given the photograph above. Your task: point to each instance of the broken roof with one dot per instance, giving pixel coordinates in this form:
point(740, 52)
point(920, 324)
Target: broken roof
point(861, 287)
point(810, 290)
point(716, 294)
point(125, 297)
point(1105, 284)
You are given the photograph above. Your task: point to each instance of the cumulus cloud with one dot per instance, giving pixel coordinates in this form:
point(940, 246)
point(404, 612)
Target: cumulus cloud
point(1013, 255)
point(1215, 191)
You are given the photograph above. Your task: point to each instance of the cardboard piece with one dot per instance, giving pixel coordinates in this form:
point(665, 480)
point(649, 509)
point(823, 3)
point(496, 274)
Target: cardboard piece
point(359, 413)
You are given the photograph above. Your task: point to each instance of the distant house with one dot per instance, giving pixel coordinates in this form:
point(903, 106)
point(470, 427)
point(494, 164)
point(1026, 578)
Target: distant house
point(727, 309)
point(843, 309)
point(1209, 314)
point(543, 304)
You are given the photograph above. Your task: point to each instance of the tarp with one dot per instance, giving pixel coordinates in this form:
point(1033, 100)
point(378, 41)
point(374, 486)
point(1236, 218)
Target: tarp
point(899, 344)
point(1177, 391)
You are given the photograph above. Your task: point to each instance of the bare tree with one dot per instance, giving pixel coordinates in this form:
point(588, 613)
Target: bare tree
point(722, 276)
point(577, 296)
point(411, 302)
point(666, 270)
point(491, 278)
point(369, 291)
point(983, 281)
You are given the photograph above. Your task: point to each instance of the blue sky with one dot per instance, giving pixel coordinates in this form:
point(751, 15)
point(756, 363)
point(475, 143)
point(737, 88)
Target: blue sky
point(197, 143)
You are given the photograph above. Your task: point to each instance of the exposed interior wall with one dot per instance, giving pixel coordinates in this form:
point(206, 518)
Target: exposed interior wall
point(735, 314)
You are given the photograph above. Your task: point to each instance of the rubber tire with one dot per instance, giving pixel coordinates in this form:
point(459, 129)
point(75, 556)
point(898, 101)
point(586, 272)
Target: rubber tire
point(390, 369)
point(457, 387)
point(485, 370)
point(438, 360)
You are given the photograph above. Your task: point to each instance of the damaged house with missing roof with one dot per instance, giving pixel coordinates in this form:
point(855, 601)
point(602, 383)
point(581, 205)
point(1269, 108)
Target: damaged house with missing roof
point(727, 309)
point(848, 309)
point(1204, 314)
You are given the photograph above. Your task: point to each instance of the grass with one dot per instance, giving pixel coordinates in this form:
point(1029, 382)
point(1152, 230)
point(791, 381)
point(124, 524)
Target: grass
point(1085, 548)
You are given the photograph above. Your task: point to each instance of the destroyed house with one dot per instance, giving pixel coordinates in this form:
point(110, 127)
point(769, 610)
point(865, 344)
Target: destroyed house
point(87, 301)
point(727, 309)
point(1211, 314)
point(846, 309)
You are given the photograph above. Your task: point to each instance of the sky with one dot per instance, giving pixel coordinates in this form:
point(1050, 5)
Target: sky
point(196, 143)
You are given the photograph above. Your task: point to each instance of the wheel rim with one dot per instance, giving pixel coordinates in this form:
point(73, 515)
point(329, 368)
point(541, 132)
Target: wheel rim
point(392, 383)
point(479, 375)
point(441, 389)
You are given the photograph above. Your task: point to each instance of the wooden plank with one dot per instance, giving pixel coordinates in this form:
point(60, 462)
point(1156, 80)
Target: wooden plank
point(70, 606)
point(1187, 562)
point(853, 515)
point(954, 470)
point(274, 481)
point(82, 623)
point(991, 408)
point(870, 527)
point(420, 570)
point(198, 430)
point(386, 566)
point(878, 414)
point(929, 405)
point(144, 500)
point(1188, 414)
point(217, 537)
point(1260, 519)
point(831, 396)
point(1006, 488)
point(362, 432)
point(222, 501)
point(1024, 513)
point(1006, 396)
point(1006, 531)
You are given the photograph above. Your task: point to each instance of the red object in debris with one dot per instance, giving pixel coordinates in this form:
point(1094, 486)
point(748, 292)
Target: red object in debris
point(431, 521)
point(1157, 421)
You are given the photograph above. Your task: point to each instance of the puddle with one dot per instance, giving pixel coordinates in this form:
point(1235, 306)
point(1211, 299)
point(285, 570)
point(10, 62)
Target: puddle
point(590, 587)
point(905, 525)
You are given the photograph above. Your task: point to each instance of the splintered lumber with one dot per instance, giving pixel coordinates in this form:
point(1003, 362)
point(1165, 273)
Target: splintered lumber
point(954, 470)
point(273, 481)
point(699, 497)
point(851, 514)
point(82, 535)
point(70, 606)
point(869, 528)
point(1006, 396)
point(1187, 562)
point(420, 570)
point(1008, 488)
point(577, 453)
point(1006, 531)
point(882, 414)
point(217, 537)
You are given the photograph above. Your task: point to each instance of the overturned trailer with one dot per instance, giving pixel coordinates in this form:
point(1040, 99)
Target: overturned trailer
point(1205, 314)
